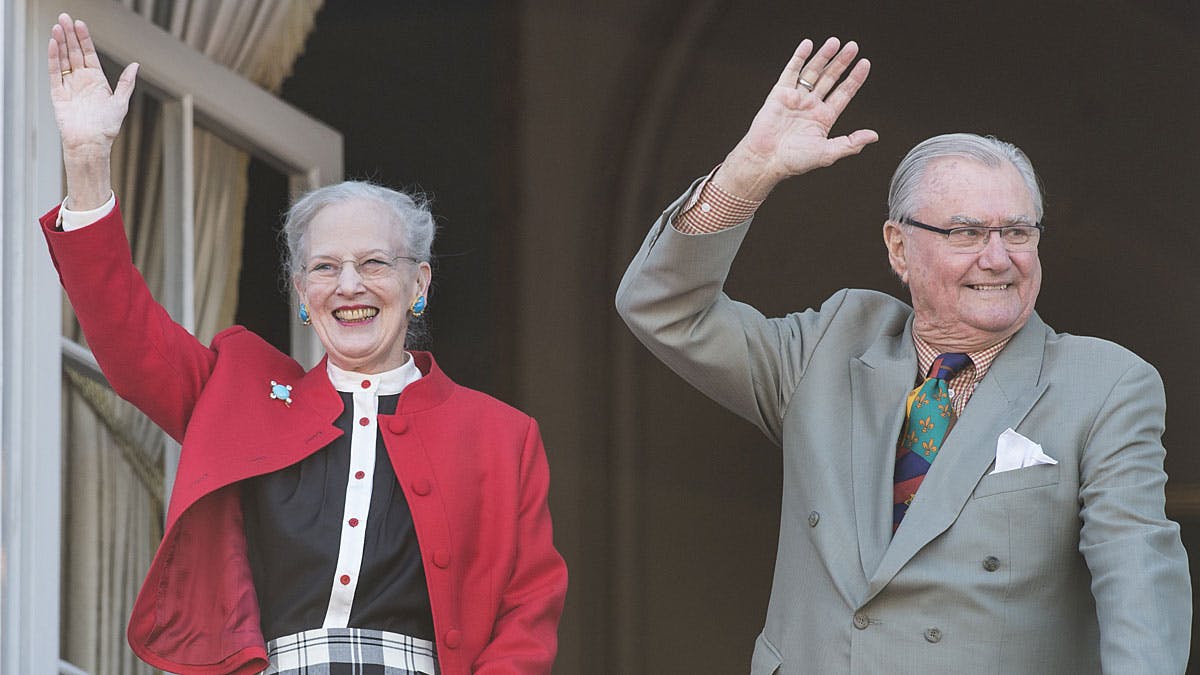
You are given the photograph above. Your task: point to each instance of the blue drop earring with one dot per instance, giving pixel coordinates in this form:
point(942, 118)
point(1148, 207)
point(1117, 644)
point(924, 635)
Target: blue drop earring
point(305, 317)
point(418, 306)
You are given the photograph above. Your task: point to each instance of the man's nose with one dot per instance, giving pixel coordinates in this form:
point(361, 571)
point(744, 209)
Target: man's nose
point(995, 254)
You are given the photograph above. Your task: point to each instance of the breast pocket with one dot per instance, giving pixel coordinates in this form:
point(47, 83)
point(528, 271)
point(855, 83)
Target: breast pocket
point(1039, 475)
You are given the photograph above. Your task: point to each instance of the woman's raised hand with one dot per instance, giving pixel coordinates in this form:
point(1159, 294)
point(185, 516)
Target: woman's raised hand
point(89, 114)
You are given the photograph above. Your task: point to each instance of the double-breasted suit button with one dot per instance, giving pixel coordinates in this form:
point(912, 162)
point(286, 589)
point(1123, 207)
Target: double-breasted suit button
point(453, 638)
point(991, 563)
point(441, 558)
point(861, 621)
point(397, 425)
point(421, 486)
point(933, 635)
point(813, 519)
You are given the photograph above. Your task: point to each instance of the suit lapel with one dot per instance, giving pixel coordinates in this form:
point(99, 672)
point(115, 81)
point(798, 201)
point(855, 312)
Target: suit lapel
point(1002, 399)
point(879, 381)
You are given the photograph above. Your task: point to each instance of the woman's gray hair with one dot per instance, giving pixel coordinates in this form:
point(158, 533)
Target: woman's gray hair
point(410, 212)
point(904, 193)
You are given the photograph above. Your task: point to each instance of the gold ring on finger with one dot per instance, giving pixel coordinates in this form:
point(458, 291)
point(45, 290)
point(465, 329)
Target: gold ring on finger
point(66, 72)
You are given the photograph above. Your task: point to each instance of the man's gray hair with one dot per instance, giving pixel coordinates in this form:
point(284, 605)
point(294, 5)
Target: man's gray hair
point(904, 194)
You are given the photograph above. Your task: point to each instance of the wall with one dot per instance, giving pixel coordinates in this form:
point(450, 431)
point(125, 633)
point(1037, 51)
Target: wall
point(552, 134)
point(666, 505)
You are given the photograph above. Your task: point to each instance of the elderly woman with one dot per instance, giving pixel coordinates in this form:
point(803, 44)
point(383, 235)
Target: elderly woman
point(368, 515)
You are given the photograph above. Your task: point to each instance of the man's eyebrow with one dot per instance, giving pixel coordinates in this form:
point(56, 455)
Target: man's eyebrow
point(968, 221)
point(1018, 220)
point(965, 220)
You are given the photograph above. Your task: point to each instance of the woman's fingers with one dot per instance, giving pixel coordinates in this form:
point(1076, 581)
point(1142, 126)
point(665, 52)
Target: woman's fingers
point(90, 58)
point(74, 50)
point(125, 84)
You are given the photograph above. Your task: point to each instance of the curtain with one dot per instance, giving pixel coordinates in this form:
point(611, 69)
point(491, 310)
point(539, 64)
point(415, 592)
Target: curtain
point(113, 493)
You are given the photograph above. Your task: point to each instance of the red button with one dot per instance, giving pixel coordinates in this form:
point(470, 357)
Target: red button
point(360, 475)
point(366, 384)
point(421, 487)
point(363, 421)
point(345, 580)
point(441, 558)
point(453, 638)
point(397, 425)
point(354, 522)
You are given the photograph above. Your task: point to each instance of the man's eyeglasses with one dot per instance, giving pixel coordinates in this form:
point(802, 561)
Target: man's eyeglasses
point(327, 270)
point(974, 238)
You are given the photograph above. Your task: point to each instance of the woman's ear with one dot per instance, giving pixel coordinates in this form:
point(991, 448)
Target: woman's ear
point(424, 278)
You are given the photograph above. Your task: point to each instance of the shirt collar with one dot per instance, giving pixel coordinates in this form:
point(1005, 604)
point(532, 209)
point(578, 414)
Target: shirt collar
point(981, 360)
point(390, 382)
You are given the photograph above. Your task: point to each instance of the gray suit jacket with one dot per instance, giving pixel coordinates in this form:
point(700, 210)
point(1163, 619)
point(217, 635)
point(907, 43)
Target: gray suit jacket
point(1066, 568)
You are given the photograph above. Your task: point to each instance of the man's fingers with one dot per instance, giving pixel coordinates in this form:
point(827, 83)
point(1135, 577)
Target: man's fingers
point(791, 72)
point(812, 71)
point(844, 146)
point(834, 69)
point(862, 138)
point(841, 96)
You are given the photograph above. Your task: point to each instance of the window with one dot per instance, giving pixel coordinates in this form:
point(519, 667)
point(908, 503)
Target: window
point(197, 111)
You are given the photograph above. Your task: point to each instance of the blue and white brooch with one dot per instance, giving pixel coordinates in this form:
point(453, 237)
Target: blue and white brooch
point(281, 392)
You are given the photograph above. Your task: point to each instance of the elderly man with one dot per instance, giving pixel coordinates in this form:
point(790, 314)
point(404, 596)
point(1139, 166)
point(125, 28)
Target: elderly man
point(965, 490)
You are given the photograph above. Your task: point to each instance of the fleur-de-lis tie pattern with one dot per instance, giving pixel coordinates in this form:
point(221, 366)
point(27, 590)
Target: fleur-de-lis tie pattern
point(929, 416)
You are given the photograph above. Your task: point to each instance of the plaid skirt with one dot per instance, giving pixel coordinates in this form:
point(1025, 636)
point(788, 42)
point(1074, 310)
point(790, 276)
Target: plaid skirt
point(350, 651)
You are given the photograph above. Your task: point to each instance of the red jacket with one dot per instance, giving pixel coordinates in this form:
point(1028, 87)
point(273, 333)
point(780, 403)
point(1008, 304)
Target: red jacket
point(472, 469)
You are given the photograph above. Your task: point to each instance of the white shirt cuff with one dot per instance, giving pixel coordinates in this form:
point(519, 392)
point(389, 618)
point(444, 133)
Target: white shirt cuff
point(74, 220)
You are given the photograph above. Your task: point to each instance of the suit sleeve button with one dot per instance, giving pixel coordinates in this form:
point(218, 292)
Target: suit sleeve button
point(813, 519)
point(933, 635)
point(453, 638)
point(861, 621)
point(991, 563)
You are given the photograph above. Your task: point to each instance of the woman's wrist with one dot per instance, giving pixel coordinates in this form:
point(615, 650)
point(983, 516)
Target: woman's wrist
point(89, 177)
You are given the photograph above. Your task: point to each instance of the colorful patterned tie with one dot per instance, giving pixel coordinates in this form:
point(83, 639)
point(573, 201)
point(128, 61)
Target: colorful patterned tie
point(929, 418)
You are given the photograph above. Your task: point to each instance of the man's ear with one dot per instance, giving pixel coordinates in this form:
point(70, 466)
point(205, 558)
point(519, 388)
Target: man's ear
point(893, 239)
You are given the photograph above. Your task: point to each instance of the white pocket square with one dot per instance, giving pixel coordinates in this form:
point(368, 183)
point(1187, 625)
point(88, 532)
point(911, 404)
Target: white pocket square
point(1014, 451)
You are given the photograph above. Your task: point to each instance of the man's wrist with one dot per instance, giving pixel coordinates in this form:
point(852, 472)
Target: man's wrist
point(746, 177)
point(714, 209)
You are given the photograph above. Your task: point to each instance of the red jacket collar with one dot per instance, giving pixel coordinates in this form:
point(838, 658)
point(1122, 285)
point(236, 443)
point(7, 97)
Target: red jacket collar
point(316, 393)
point(430, 391)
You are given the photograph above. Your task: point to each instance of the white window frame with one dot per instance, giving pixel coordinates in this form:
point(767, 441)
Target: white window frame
point(193, 89)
